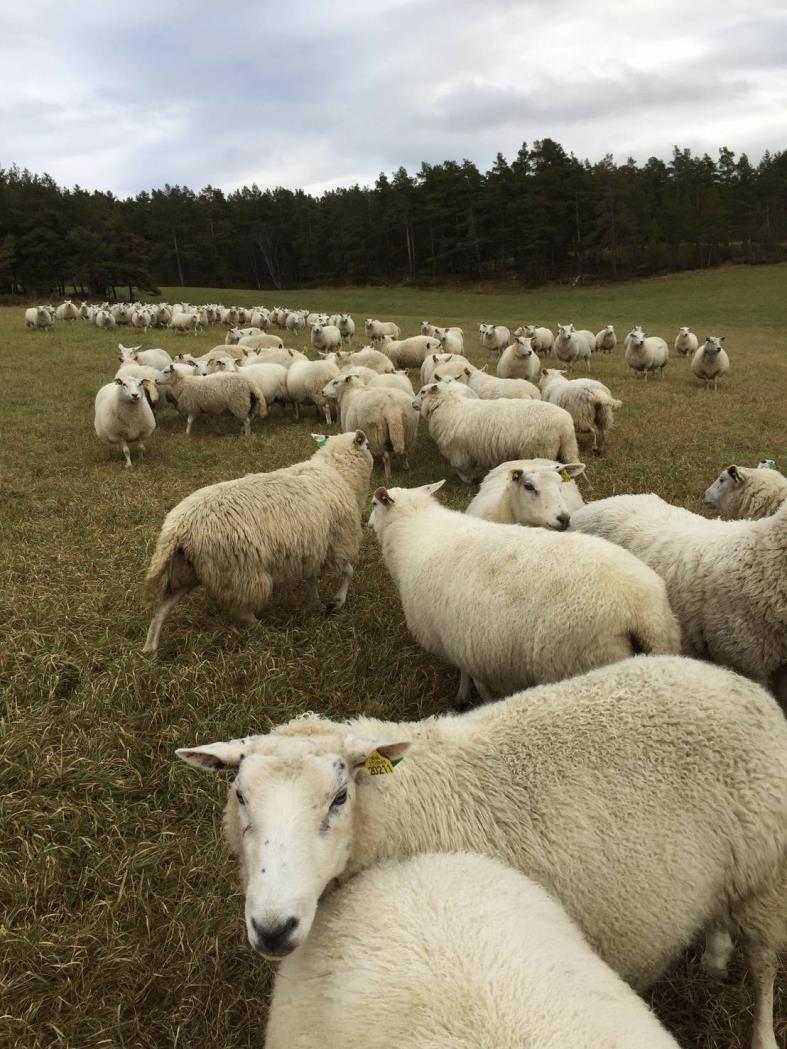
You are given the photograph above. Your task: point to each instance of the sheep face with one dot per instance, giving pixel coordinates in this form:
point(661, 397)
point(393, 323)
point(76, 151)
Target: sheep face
point(538, 496)
point(523, 347)
point(131, 388)
point(713, 345)
point(564, 331)
point(289, 818)
point(726, 483)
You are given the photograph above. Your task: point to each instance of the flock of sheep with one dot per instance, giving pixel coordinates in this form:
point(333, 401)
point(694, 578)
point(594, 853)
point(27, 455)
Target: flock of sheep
point(503, 876)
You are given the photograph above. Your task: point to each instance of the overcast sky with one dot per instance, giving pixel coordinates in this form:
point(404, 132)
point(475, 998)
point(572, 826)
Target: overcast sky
point(128, 96)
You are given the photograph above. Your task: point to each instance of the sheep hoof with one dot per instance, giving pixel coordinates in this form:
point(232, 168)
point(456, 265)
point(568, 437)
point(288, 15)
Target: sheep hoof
point(332, 608)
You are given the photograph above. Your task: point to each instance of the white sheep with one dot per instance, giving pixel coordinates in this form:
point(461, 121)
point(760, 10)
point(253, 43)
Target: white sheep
point(648, 797)
point(494, 337)
point(588, 402)
point(273, 355)
point(572, 345)
point(39, 318)
point(436, 360)
point(154, 358)
point(386, 416)
point(686, 342)
point(104, 320)
point(182, 323)
point(263, 341)
point(366, 358)
point(450, 341)
point(346, 326)
point(142, 318)
point(537, 493)
point(710, 361)
point(475, 435)
point(229, 317)
point(147, 375)
point(305, 381)
point(727, 580)
point(123, 415)
point(66, 311)
point(541, 339)
point(436, 330)
point(456, 367)
point(220, 394)
point(409, 353)
point(326, 337)
point(246, 538)
point(606, 339)
point(234, 335)
point(519, 360)
point(270, 378)
point(747, 492)
point(396, 381)
point(449, 951)
point(377, 330)
point(121, 311)
point(646, 353)
point(295, 322)
point(491, 388)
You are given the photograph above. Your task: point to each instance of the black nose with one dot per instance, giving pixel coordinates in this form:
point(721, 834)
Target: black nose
point(563, 520)
point(273, 940)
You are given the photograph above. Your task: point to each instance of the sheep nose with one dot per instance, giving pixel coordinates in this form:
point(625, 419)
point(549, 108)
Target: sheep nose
point(274, 940)
point(563, 521)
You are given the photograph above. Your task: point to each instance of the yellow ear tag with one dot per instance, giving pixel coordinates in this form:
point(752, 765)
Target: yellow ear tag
point(378, 765)
point(565, 475)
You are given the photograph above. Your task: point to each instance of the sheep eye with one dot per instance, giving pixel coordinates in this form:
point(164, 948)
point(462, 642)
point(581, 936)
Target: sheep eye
point(529, 487)
point(340, 799)
point(239, 796)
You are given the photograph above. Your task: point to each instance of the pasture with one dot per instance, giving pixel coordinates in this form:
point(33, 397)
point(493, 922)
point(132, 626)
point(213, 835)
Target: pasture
point(122, 920)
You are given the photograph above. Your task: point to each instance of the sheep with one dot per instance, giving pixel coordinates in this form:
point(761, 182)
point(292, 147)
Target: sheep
point(377, 330)
point(184, 322)
point(84, 311)
point(213, 395)
point(727, 580)
point(613, 606)
point(397, 381)
point(246, 538)
point(147, 375)
point(66, 311)
point(234, 335)
point(606, 339)
point(272, 355)
point(305, 380)
point(155, 358)
point(346, 326)
point(435, 330)
point(386, 416)
point(539, 493)
point(409, 353)
point(747, 493)
point(229, 317)
point(326, 337)
point(686, 342)
point(163, 316)
point(457, 367)
point(710, 362)
point(475, 435)
point(366, 358)
point(519, 360)
point(637, 329)
point(648, 797)
point(541, 339)
point(573, 345)
point(494, 337)
point(646, 353)
point(295, 322)
point(270, 378)
point(451, 950)
point(262, 341)
point(490, 388)
point(450, 342)
point(123, 415)
point(434, 361)
point(121, 312)
point(588, 402)
point(104, 320)
point(39, 318)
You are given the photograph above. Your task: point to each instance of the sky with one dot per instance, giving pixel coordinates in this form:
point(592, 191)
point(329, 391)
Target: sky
point(298, 93)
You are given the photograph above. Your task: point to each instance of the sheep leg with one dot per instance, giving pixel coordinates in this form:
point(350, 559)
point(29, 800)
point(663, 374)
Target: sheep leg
point(313, 589)
point(387, 463)
point(594, 435)
point(483, 691)
point(297, 408)
point(156, 623)
point(340, 596)
point(127, 453)
point(326, 409)
point(406, 462)
point(189, 422)
point(463, 693)
point(762, 973)
point(718, 949)
point(246, 428)
point(141, 450)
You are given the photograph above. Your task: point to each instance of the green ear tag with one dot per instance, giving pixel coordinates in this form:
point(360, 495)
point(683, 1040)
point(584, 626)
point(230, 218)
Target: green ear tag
point(321, 442)
point(565, 475)
point(768, 464)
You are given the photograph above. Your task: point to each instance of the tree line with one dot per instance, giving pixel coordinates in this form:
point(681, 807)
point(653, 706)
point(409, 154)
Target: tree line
point(545, 216)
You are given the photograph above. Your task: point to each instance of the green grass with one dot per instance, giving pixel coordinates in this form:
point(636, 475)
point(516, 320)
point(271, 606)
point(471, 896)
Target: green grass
point(122, 920)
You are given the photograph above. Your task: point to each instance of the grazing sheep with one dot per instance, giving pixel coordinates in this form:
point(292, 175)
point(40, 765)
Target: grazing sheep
point(346, 326)
point(611, 607)
point(40, 318)
point(646, 353)
point(305, 381)
point(386, 416)
point(475, 435)
point(588, 402)
point(747, 493)
point(67, 311)
point(541, 339)
point(606, 339)
point(727, 580)
point(710, 361)
point(409, 353)
point(365, 358)
point(519, 360)
point(123, 415)
point(155, 358)
point(377, 330)
point(490, 388)
point(494, 337)
point(538, 493)
point(244, 539)
point(686, 343)
point(219, 394)
point(451, 951)
point(326, 337)
point(648, 797)
point(572, 345)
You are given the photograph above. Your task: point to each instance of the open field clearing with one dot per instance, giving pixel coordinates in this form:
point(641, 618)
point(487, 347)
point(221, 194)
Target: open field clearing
point(122, 920)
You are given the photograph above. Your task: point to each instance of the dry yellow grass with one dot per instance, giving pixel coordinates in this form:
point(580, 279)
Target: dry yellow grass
point(121, 918)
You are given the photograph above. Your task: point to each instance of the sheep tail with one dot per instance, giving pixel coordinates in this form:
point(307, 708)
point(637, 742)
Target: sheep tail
point(657, 635)
point(254, 404)
point(395, 424)
point(160, 571)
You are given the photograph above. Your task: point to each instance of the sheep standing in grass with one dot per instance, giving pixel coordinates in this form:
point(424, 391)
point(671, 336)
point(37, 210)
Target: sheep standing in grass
point(39, 318)
point(67, 311)
point(572, 345)
point(386, 416)
point(270, 378)
point(346, 326)
point(377, 330)
point(244, 539)
point(686, 343)
point(646, 353)
point(272, 355)
point(326, 337)
point(213, 395)
point(305, 381)
point(123, 415)
point(710, 362)
point(538, 493)
point(727, 580)
point(541, 339)
point(588, 402)
point(494, 337)
point(648, 797)
point(606, 339)
point(475, 435)
point(519, 360)
point(612, 606)
point(154, 358)
point(451, 341)
point(409, 353)
point(365, 358)
point(747, 492)
point(449, 951)
point(184, 323)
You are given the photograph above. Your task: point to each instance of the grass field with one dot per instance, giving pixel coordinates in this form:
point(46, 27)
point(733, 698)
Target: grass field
point(121, 917)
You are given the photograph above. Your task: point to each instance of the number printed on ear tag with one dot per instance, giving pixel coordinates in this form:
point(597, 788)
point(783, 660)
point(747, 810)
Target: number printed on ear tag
point(379, 765)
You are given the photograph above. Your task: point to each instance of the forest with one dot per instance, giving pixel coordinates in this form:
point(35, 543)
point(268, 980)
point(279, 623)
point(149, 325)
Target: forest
point(544, 217)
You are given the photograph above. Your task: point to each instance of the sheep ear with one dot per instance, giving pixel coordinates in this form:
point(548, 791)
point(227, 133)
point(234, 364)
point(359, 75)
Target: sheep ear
point(430, 489)
point(377, 757)
point(722, 339)
point(383, 497)
point(215, 757)
point(360, 438)
point(572, 469)
point(516, 475)
point(737, 474)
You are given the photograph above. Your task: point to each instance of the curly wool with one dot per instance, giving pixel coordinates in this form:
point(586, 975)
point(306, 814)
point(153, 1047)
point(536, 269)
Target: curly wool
point(588, 402)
